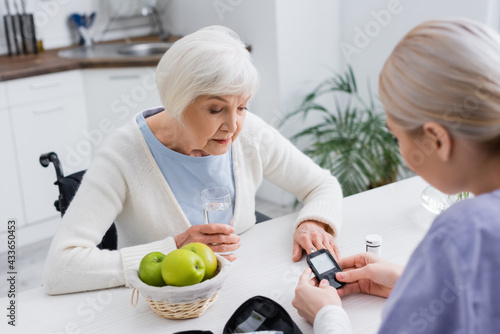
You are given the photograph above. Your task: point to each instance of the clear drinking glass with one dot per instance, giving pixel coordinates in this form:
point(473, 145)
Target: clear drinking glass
point(436, 202)
point(217, 207)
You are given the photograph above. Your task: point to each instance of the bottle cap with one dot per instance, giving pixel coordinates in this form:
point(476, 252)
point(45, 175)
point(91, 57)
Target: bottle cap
point(373, 240)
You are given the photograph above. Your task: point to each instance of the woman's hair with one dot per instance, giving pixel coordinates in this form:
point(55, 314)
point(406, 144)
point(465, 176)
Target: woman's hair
point(446, 71)
point(210, 61)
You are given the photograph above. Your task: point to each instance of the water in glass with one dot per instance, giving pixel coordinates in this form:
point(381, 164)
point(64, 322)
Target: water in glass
point(219, 213)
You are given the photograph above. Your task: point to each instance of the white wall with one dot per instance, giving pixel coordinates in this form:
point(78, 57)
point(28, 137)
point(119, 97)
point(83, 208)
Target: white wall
point(307, 38)
point(359, 15)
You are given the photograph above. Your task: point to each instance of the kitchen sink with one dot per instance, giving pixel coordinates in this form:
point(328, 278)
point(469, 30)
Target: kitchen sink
point(144, 49)
point(116, 50)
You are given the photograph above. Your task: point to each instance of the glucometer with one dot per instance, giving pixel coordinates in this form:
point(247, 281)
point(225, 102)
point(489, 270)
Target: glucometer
point(324, 266)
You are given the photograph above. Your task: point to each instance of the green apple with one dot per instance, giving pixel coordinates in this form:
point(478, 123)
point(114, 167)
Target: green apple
point(182, 267)
point(150, 269)
point(207, 255)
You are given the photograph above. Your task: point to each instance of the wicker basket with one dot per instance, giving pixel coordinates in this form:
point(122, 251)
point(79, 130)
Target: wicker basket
point(183, 310)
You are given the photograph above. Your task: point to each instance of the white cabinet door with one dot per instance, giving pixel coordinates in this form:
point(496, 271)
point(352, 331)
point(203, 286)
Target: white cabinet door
point(114, 96)
point(44, 87)
point(10, 194)
point(57, 125)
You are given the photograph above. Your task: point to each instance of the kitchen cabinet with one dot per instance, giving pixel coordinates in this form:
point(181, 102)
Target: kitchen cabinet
point(115, 95)
point(10, 195)
point(69, 113)
point(48, 113)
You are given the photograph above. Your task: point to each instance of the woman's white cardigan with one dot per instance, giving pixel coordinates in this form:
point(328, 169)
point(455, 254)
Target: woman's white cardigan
point(124, 185)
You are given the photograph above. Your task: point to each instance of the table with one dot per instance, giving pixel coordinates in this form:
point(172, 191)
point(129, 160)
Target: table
point(264, 267)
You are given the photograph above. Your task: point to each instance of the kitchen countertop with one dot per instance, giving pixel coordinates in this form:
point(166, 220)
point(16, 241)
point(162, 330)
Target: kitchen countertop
point(48, 61)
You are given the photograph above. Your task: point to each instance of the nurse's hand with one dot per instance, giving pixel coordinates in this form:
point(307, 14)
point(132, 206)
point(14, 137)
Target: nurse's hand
point(310, 236)
point(219, 237)
point(310, 297)
point(368, 273)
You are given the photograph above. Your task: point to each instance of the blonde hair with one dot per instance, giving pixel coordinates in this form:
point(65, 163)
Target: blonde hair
point(446, 71)
point(210, 61)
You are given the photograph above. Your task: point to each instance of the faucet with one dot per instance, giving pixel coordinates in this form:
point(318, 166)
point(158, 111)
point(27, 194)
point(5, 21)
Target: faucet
point(152, 10)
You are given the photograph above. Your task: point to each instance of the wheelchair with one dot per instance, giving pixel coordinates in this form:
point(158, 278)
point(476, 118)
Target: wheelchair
point(68, 185)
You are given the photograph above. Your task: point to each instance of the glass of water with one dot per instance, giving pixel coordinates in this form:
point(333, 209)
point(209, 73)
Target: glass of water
point(217, 208)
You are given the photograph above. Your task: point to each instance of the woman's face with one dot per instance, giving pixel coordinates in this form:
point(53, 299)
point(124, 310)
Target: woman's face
point(420, 155)
point(405, 142)
point(212, 123)
point(450, 164)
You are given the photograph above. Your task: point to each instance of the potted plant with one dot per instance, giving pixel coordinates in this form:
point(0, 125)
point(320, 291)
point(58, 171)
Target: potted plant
point(351, 140)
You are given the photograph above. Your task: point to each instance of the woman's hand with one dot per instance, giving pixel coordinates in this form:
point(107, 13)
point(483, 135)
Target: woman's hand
point(309, 235)
point(219, 237)
point(309, 298)
point(368, 273)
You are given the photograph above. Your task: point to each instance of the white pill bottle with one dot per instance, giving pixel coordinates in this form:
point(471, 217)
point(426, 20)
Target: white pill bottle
point(374, 244)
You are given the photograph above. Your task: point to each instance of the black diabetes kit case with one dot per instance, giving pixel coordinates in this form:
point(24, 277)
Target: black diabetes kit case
point(259, 313)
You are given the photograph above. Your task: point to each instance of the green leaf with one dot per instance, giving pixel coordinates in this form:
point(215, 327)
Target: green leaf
point(351, 141)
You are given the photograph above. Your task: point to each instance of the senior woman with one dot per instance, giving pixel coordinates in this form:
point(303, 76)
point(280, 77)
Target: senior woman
point(148, 175)
point(441, 91)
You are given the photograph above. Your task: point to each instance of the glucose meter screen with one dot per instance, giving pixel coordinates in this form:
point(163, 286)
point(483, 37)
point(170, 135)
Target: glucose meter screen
point(322, 263)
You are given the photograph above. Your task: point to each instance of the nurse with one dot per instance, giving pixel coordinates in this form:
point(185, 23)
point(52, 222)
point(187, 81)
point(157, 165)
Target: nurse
point(441, 90)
